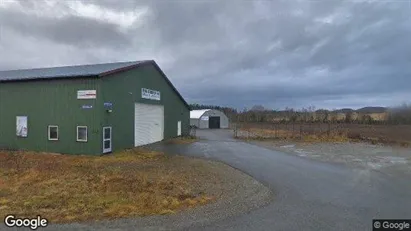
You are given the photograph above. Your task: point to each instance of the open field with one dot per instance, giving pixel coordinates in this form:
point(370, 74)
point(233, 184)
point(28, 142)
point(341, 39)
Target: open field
point(385, 134)
point(136, 182)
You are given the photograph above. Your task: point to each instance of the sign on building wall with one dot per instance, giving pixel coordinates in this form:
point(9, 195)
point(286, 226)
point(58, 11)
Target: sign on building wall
point(87, 106)
point(150, 94)
point(21, 126)
point(86, 94)
point(204, 118)
point(108, 105)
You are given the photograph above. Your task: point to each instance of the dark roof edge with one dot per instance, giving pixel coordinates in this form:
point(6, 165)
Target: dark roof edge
point(126, 68)
point(47, 78)
point(143, 63)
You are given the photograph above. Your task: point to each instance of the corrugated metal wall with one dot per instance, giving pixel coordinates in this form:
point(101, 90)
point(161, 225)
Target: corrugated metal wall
point(224, 122)
point(54, 102)
point(124, 90)
point(47, 103)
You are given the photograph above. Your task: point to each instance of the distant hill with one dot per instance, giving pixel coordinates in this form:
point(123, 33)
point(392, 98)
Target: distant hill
point(322, 111)
point(261, 109)
point(372, 110)
point(344, 110)
point(258, 108)
point(366, 110)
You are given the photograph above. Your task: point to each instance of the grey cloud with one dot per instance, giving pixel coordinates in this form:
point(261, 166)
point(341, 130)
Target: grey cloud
point(250, 52)
point(71, 30)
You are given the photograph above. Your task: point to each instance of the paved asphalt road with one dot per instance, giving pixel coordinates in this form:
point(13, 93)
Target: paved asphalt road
point(309, 195)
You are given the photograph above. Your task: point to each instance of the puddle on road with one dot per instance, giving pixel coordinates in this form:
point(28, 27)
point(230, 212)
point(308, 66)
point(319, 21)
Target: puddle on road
point(370, 157)
point(379, 162)
point(301, 152)
point(374, 165)
point(288, 146)
point(393, 159)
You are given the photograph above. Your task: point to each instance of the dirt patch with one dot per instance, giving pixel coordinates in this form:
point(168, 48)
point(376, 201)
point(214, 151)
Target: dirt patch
point(132, 183)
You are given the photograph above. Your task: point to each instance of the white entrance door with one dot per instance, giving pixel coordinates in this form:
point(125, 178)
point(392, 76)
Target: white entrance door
point(107, 140)
point(179, 128)
point(148, 124)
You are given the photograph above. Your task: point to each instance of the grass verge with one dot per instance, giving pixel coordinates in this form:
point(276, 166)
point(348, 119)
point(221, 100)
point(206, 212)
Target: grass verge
point(67, 188)
point(333, 137)
point(267, 134)
point(182, 140)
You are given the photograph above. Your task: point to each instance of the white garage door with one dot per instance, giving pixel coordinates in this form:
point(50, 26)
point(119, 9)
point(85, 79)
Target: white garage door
point(148, 124)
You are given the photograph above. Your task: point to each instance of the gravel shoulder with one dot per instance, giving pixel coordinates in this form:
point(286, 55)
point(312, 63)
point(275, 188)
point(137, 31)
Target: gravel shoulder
point(236, 193)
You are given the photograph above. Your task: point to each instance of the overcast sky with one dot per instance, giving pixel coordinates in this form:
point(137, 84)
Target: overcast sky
point(328, 54)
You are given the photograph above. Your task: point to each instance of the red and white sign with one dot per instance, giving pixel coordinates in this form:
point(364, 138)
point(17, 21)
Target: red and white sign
point(87, 94)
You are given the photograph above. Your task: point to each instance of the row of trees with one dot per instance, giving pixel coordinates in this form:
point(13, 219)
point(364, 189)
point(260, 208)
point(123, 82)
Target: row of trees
point(400, 115)
point(395, 115)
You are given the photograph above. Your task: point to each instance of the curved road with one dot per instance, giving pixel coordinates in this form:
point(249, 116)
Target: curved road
point(309, 195)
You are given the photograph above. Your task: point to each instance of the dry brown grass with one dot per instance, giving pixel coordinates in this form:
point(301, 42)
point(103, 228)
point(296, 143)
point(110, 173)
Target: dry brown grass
point(182, 140)
point(66, 188)
point(259, 133)
point(322, 132)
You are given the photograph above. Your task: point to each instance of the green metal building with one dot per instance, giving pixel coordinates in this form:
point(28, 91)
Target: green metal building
point(89, 109)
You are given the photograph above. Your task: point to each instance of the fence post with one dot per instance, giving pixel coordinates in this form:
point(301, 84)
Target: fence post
point(329, 129)
point(310, 128)
point(301, 131)
point(261, 131)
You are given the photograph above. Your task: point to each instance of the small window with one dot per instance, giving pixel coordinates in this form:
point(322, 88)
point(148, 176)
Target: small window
point(53, 132)
point(82, 133)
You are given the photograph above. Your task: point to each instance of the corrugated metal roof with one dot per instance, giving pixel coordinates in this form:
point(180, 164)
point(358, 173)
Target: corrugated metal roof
point(65, 72)
point(196, 114)
point(91, 70)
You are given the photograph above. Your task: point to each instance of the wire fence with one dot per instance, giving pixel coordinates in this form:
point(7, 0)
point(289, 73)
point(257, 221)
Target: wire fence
point(193, 131)
point(381, 133)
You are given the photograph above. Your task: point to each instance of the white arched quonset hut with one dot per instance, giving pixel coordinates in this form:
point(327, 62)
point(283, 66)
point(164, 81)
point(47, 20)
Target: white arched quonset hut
point(208, 118)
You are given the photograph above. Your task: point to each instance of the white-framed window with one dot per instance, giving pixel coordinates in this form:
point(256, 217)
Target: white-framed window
point(53, 132)
point(21, 126)
point(82, 133)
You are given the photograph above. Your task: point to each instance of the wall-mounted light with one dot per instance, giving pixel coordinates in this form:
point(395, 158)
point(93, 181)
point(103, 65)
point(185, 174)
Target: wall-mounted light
point(108, 106)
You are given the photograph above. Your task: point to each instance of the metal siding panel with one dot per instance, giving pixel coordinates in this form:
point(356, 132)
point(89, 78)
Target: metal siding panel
point(124, 90)
point(49, 103)
point(203, 123)
point(223, 119)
